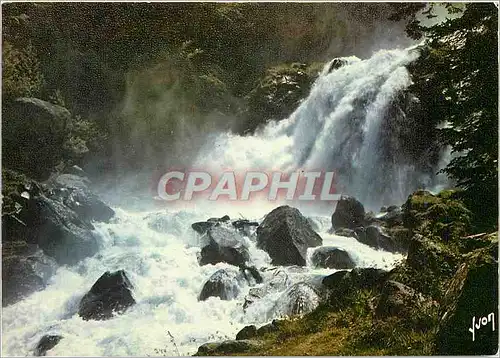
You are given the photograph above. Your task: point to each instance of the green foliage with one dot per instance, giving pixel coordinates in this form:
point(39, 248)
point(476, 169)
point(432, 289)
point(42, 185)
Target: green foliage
point(456, 79)
point(21, 76)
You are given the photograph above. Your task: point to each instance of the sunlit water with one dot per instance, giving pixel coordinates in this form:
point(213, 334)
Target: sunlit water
point(338, 127)
point(167, 280)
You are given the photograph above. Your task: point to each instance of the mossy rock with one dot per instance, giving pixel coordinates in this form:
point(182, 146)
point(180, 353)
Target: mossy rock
point(229, 347)
point(279, 92)
point(442, 215)
point(471, 295)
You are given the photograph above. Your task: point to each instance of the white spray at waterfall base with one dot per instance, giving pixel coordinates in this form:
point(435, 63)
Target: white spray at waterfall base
point(167, 279)
point(338, 127)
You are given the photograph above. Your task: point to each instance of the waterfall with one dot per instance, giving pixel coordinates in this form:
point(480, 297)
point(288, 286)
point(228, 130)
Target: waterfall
point(350, 123)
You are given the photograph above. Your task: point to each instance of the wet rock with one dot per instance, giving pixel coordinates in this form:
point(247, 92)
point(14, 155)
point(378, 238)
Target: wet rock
point(228, 347)
point(349, 213)
point(251, 274)
point(73, 190)
point(336, 64)
point(299, 299)
point(61, 233)
point(279, 281)
point(25, 269)
point(201, 227)
point(88, 206)
point(374, 237)
point(471, 301)
point(246, 227)
point(223, 284)
point(46, 343)
point(332, 257)
point(246, 332)
point(225, 245)
point(286, 235)
point(110, 294)
point(346, 232)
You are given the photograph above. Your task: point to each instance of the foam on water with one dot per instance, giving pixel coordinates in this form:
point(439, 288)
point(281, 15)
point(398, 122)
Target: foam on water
point(167, 280)
point(338, 127)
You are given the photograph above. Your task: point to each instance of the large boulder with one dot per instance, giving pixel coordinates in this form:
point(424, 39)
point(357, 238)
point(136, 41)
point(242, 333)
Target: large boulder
point(61, 233)
point(33, 134)
point(299, 299)
point(55, 215)
point(223, 284)
point(246, 332)
point(332, 257)
point(225, 245)
point(374, 237)
point(25, 269)
point(285, 234)
point(110, 294)
point(469, 310)
point(45, 344)
point(73, 190)
point(443, 215)
point(349, 213)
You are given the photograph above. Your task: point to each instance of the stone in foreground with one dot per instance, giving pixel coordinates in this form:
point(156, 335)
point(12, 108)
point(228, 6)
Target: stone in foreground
point(112, 293)
point(285, 234)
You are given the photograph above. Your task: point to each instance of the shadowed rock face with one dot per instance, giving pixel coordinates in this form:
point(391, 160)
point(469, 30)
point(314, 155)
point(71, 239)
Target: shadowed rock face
point(332, 257)
point(222, 284)
point(298, 299)
point(225, 245)
point(112, 293)
point(471, 295)
point(45, 344)
point(286, 235)
point(349, 213)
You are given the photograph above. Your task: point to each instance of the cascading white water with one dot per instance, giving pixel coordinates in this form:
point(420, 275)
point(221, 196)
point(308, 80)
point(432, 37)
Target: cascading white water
point(167, 280)
point(338, 127)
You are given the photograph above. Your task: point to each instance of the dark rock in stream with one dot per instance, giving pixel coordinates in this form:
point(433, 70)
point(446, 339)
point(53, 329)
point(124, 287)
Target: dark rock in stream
point(45, 344)
point(285, 234)
point(112, 293)
point(225, 245)
point(332, 257)
point(349, 213)
point(25, 269)
point(223, 284)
